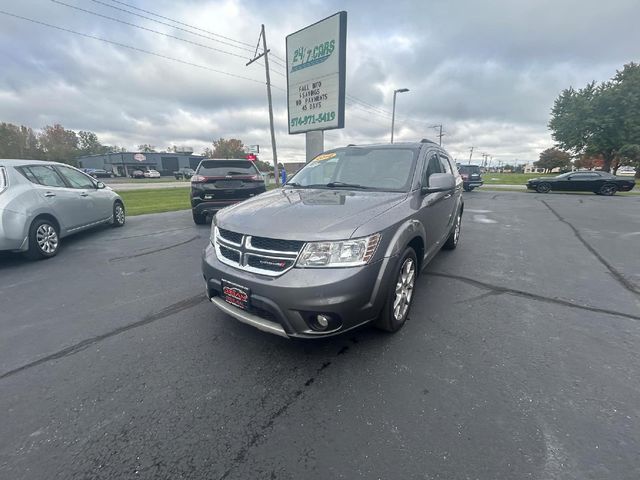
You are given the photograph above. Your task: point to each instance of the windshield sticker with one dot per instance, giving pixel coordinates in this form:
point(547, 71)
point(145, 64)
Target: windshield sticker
point(324, 156)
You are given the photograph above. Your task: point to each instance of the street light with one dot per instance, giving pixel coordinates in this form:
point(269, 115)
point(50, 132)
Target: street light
point(393, 115)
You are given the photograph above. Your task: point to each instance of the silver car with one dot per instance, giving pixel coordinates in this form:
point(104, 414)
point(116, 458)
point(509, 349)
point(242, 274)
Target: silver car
point(42, 202)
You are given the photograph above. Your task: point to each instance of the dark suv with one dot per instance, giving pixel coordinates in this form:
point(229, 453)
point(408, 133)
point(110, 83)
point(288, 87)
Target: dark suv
point(219, 183)
point(340, 245)
point(471, 176)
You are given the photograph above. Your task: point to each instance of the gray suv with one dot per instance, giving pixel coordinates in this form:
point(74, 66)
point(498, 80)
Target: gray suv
point(42, 202)
point(340, 245)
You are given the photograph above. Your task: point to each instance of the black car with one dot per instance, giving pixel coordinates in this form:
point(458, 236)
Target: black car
point(219, 183)
point(471, 176)
point(600, 183)
point(184, 173)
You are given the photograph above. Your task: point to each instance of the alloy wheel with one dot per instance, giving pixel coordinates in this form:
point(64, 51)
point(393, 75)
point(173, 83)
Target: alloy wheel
point(404, 289)
point(47, 238)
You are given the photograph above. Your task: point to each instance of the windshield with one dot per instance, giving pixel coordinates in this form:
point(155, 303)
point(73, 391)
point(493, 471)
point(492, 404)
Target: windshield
point(386, 169)
point(222, 168)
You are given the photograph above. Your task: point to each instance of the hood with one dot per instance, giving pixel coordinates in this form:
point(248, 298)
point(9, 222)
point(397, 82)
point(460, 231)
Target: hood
point(308, 215)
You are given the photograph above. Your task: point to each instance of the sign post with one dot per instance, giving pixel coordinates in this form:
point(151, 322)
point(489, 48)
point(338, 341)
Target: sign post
point(316, 61)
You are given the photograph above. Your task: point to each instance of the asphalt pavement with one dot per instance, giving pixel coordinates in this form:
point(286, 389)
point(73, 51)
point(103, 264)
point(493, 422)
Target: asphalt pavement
point(520, 360)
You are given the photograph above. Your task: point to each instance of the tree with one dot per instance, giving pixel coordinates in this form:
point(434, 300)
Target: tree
point(263, 166)
point(232, 148)
point(145, 147)
point(630, 155)
point(59, 144)
point(599, 119)
point(88, 144)
point(554, 158)
point(19, 142)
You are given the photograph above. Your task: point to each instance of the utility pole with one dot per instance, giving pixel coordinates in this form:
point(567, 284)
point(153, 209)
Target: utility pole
point(440, 135)
point(471, 154)
point(265, 54)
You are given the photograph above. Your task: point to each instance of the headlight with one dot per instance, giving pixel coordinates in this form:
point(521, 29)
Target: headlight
point(345, 253)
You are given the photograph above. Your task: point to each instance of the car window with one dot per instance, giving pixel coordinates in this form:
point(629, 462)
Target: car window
point(46, 175)
point(444, 162)
point(378, 168)
point(584, 176)
point(75, 178)
point(222, 168)
point(470, 169)
point(433, 166)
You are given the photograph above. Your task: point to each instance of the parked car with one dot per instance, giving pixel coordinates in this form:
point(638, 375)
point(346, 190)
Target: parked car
point(137, 174)
point(151, 173)
point(43, 202)
point(626, 171)
point(219, 183)
point(600, 183)
point(99, 173)
point(471, 176)
point(184, 173)
point(340, 245)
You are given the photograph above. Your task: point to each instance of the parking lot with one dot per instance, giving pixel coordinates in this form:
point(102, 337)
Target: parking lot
point(520, 360)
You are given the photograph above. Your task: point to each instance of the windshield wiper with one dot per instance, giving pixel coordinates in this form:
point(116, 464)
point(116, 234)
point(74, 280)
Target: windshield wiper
point(294, 184)
point(236, 173)
point(346, 185)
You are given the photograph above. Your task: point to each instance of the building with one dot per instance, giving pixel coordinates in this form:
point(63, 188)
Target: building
point(123, 164)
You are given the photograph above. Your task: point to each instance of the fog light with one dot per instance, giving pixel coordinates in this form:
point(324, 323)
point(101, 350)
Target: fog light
point(323, 321)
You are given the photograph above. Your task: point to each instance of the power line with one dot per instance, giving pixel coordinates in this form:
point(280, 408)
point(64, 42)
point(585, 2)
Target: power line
point(173, 26)
point(130, 47)
point(175, 21)
point(148, 29)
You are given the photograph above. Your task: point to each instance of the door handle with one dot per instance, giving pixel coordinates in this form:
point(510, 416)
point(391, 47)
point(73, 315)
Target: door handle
point(84, 194)
point(49, 194)
point(448, 195)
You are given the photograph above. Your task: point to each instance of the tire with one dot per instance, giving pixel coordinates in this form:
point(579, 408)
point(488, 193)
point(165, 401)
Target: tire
point(454, 236)
point(608, 189)
point(392, 319)
point(467, 189)
point(199, 219)
point(119, 215)
point(44, 240)
point(544, 187)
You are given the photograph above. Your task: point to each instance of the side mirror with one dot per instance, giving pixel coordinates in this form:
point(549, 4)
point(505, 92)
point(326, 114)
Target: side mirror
point(100, 185)
point(439, 182)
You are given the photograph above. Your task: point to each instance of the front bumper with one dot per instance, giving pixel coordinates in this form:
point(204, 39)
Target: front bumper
point(472, 183)
point(283, 305)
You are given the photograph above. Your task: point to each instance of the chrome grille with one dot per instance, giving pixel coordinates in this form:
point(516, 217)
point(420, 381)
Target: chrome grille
point(265, 256)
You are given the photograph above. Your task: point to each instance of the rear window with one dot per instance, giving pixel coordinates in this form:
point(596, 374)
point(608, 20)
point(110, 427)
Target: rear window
point(223, 168)
point(469, 169)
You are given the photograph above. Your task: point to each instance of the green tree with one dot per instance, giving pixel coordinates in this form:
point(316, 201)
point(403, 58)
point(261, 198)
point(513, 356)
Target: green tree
point(19, 142)
point(554, 158)
point(630, 155)
point(59, 144)
point(145, 147)
point(263, 166)
point(232, 148)
point(88, 144)
point(600, 119)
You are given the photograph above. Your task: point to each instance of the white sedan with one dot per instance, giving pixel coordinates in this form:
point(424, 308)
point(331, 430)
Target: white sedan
point(151, 174)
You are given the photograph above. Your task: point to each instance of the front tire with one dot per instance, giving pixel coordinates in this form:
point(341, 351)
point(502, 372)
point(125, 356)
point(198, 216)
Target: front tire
point(543, 187)
point(119, 216)
point(396, 308)
point(44, 241)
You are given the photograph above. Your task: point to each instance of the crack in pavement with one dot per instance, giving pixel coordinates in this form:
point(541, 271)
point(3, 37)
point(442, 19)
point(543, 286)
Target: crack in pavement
point(149, 252)
point(78, 347)
point(521, 293)
point(160, 232)
point(616, 274)
point(259, 433)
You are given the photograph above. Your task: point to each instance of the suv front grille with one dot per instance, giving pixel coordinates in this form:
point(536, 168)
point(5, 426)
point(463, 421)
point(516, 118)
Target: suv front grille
point(265, 256)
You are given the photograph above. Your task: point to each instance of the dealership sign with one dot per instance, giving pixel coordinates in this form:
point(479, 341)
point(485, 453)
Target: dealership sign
point(316, 59)
point(139, 157)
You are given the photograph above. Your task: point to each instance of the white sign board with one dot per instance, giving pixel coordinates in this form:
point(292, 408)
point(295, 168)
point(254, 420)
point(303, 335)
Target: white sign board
point(316, 60)
point(139, 157)
point(255, 149)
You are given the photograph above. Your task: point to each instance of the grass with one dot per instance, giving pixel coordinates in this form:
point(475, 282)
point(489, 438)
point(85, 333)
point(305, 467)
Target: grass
point(511, 178)
point(140, 180)
point(155, 200)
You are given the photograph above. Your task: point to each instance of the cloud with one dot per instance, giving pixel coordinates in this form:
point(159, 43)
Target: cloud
point(488, 71)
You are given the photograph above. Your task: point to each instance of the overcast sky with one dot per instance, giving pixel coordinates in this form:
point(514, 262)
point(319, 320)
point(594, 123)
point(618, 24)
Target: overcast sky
point(489, 71)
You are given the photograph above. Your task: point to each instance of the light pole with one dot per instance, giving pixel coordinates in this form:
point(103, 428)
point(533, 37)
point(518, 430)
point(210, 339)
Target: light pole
point(393, 114)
